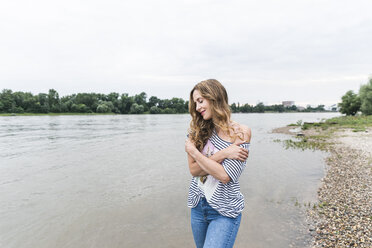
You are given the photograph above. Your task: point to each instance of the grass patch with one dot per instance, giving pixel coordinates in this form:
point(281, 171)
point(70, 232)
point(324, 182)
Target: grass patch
point(297, 124)
point(358, 123)
point(324, 131)
point(304, 143)
point(359, 130)
point(322, 204)
point(350, 121)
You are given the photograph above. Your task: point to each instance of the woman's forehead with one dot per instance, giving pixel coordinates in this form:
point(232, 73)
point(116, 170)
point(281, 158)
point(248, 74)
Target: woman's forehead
point(196, 94)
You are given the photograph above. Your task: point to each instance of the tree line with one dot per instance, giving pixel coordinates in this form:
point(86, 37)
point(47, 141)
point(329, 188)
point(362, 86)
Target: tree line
point(261, 108)
point(51, 102)
point(26, 102)
point(353, 103)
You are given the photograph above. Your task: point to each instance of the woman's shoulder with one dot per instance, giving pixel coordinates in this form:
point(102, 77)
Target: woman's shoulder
point(243, 129)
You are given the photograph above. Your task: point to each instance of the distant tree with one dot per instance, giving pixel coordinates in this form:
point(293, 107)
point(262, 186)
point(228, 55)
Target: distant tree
point(365, 93)
point(67, 102)
point(153, 101)
point(168, 111)
point(18, 102)
point(114, 98)
point(320, 108)
point(137, 109)
point(259, 108)
point(125, 103)
point(105, 107)
point(292, 108)
point(246, 108)
point(155, 110)
point(140, 99)
point(30, 102)
point(90, 100)
point(65, 107)
point(233, 108)
point(187, 106)
point(44, 103)
point(53, 101)
point(165, 103)
point(277, 108)
point(350, 104)
point(80, 108)
point(6, 101)
point(178, 104)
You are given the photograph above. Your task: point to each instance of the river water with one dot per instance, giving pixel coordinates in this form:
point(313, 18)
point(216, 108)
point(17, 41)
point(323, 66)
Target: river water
point(122, 181)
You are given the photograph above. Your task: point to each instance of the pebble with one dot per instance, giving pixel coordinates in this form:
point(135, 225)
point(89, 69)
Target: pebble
point(343, 217)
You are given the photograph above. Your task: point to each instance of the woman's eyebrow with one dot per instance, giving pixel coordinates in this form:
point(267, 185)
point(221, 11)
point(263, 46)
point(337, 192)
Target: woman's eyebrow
point(197, 99)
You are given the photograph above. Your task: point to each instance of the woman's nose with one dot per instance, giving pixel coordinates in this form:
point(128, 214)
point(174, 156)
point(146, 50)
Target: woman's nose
point(197, 107)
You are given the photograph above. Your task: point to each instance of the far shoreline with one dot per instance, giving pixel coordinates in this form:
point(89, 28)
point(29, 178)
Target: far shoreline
point(89, 114)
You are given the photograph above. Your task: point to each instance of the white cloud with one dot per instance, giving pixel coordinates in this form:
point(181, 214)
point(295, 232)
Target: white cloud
point(264, 50)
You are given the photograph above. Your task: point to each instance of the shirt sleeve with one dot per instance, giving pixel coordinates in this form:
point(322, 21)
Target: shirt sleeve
point(234, 167)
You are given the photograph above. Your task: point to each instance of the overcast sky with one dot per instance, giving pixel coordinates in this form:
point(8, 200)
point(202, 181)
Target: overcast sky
point(307, 51)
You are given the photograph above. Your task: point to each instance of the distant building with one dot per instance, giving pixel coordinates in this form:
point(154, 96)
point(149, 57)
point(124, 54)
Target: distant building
point(288, 103)
point(333, 107)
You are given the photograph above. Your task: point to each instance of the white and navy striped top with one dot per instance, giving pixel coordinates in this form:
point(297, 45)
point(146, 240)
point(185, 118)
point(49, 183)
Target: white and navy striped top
point(227, 198)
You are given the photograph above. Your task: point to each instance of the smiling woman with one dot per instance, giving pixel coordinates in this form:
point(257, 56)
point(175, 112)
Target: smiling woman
point(217, 150)
point(202, 106)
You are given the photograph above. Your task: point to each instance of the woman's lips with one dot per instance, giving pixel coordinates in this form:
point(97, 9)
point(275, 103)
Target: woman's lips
point(202, 113)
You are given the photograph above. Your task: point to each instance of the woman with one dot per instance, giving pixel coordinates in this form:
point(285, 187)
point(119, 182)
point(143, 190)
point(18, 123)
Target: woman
point(217, 150)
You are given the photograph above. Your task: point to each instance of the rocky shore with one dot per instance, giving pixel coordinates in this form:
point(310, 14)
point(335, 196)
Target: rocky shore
point(343, 215)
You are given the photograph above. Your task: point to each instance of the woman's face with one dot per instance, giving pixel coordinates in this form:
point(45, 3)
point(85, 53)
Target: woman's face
point(202, 105)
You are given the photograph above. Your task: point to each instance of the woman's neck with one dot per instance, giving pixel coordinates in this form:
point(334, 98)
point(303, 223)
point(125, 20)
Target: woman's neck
point(223, 132)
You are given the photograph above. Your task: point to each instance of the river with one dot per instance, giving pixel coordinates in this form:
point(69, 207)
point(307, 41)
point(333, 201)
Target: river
point(122, 181)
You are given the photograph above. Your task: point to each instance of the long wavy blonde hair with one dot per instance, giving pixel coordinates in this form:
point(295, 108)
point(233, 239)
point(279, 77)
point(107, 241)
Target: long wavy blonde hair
point(201, 130)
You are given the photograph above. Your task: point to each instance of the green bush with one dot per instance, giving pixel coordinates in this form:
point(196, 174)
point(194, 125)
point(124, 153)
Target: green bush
point(350, 104)
point(136, 109)
point(102, 108)
point(154, 110)
point(168, 111)
point(365, 93)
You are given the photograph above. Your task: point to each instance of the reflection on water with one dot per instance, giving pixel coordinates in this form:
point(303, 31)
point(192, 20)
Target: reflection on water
point(122, 181)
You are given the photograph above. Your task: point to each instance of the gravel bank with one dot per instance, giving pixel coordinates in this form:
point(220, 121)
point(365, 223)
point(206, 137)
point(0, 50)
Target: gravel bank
point(343, 215)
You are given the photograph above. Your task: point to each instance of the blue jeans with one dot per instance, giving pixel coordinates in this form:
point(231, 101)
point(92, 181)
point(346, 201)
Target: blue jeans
point(211, 229)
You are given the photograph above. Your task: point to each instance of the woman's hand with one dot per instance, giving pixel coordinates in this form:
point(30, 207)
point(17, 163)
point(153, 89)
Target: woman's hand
point(236, 152)
point(189, 146)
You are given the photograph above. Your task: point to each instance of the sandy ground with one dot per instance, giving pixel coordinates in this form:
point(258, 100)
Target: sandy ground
point(361, 141)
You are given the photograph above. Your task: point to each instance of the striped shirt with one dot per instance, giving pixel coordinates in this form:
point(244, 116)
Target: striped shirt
point(226, 198)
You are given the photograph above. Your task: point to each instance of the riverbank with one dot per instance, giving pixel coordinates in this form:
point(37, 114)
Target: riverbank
point(144, 113)
point(343, 215)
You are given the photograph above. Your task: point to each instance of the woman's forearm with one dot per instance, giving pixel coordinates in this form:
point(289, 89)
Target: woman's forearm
point(210, 166)
point(219, 156)
point(196, 170)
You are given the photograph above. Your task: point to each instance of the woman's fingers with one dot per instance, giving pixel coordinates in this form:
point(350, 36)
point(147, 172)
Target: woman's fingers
point(237, 152)
point(243, 155)
point(242, 158)
point(188, 145)
point(244, 151)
